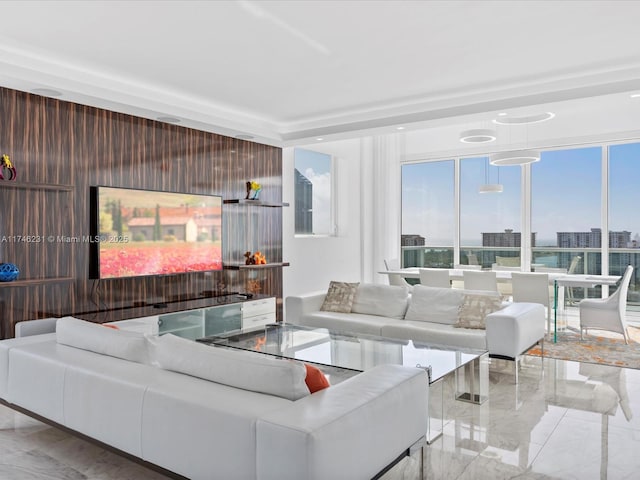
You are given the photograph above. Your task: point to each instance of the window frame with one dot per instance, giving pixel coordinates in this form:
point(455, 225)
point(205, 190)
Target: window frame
point(333, 205)
point(526, 196)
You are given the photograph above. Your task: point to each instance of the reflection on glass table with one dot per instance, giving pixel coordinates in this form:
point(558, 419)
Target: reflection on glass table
point(359, 352)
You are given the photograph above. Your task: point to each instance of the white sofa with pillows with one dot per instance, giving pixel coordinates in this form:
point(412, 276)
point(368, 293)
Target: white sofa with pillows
point(208, 412)
point(445, 316)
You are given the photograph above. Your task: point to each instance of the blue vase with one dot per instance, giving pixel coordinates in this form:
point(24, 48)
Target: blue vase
point(255, 194)
point(8, 272)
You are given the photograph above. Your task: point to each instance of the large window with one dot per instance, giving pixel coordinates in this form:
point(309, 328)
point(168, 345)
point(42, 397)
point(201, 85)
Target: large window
point(566, 200)
point(313, 193)
point(428, 217)
point(489, 219)
point(624, 221)
point(580, 204)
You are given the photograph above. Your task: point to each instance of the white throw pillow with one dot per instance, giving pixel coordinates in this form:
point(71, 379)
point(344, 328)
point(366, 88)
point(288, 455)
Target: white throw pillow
point(97, 338)
point(247, 370)
point(433, 304)
point(438, 305)
point(384, 300)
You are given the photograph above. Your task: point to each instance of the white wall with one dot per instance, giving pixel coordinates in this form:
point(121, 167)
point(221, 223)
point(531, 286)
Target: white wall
point(367, 172)
point(368, 189)
point(315, 261)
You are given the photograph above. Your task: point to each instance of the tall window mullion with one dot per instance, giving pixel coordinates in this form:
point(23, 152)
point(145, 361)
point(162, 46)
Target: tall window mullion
point(623, 198)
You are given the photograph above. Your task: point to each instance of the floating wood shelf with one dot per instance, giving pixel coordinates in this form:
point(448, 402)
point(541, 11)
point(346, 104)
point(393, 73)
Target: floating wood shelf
point(35, 281)
point(256, 203)
point(242, 266)
point(35, 186)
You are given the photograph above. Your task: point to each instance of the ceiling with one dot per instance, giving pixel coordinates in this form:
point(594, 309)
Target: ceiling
point(289, 72)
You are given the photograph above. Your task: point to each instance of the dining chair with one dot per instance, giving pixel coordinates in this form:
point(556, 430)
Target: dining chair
point(505, 287)
point(435, 277)
point(532, 288)
point(607, 313)
point(474, 280)
point(459, 266)
point(392, 264)
point(396, 278)
point(573, 267)
point(473, 259)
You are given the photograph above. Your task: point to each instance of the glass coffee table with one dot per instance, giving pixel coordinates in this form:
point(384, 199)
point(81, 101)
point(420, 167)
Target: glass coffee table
point(354, 352)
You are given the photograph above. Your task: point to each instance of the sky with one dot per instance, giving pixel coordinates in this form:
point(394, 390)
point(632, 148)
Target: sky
point(566, 196)
point(317, 168)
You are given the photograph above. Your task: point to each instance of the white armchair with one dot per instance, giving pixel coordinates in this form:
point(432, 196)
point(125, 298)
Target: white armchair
point(607, 313)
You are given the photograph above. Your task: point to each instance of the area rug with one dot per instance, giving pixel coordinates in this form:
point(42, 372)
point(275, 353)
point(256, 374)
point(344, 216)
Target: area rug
point(598, 347)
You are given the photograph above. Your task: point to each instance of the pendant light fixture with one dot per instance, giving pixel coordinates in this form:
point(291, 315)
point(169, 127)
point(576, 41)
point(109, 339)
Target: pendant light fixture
point(490, 187)
point(519, 157)
point(516, 157)
point(478, 135)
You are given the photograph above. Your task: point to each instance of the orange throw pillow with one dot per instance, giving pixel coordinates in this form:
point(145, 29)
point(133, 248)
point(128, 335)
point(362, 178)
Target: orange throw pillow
point(315, 379)
point(115, 327)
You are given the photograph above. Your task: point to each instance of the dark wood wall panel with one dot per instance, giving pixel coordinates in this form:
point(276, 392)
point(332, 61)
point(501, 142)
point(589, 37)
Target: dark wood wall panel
point(61, 149)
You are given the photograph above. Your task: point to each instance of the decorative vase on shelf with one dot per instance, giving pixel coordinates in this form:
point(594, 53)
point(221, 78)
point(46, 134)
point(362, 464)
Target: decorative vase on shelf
point(7, 170)
point(253, 190)
point(255, 194)
point(8, 272)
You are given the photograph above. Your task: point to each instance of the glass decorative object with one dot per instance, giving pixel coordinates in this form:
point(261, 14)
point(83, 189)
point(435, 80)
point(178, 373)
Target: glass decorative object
point(8, 272)
point(253, 190)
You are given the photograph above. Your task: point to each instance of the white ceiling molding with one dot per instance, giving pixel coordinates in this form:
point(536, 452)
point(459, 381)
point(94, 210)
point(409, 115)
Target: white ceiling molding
point(350, 81)
point(136, 98)
point(24, 71)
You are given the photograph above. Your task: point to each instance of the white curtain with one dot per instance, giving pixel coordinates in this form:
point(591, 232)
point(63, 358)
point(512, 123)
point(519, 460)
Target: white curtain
point(380, 203)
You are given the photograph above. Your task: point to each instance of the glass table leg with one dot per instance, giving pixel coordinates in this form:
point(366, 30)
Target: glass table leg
point(555, 311)
point(436, 411)
point(472, 381)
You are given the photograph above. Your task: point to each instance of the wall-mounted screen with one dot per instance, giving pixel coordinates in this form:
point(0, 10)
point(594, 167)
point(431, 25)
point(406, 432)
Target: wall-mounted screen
point(146, 232)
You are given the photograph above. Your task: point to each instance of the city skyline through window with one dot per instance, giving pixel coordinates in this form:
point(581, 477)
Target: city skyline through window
point(487, 212)
point(314, 204)
point(428, 201)
point(624, 194)
point(575, 194)
point(566, 194)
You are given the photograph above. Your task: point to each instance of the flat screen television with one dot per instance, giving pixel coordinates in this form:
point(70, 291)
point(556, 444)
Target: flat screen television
point(145, 232)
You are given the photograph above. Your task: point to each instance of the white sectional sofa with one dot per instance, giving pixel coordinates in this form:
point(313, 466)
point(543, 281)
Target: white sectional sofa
point(426, 315)
point(211, 413)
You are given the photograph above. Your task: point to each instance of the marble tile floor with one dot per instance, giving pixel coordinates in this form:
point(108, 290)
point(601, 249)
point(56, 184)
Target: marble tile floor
point(565, 420)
